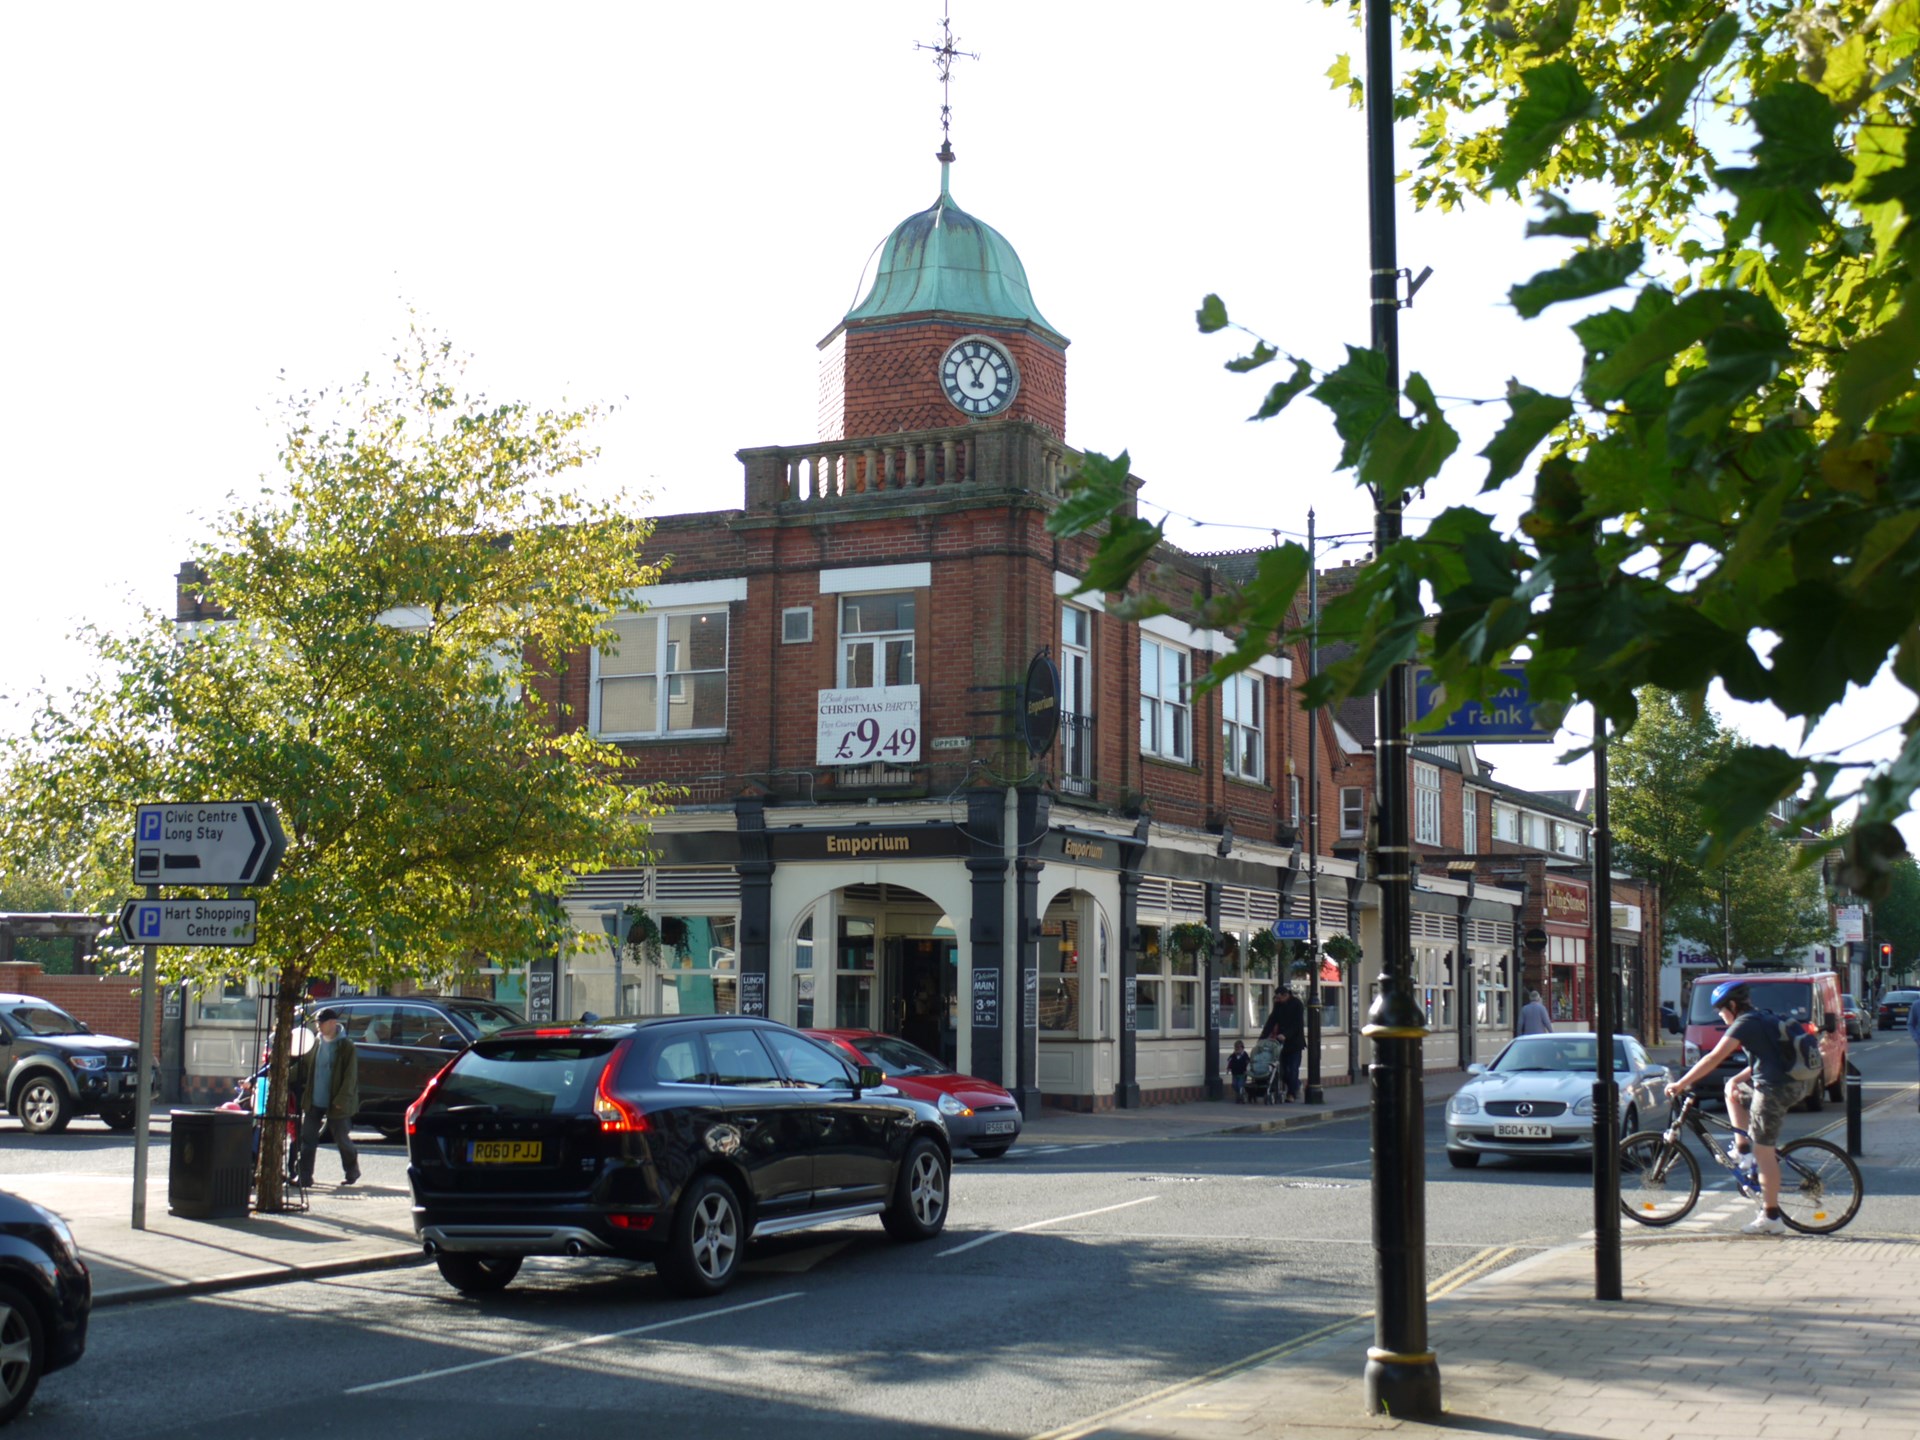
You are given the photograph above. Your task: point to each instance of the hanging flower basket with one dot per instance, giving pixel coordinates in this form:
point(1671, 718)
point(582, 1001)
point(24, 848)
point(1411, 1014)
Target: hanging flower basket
point(1343, 950)
point(641, 927)
point(1190, 937)
point(1262, 951)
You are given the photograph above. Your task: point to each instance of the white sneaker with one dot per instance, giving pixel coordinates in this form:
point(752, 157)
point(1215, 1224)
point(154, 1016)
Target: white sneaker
point(1763, 1224)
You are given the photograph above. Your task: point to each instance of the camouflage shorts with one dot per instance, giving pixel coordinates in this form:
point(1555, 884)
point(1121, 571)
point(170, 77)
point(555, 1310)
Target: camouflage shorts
point(1769, 1105)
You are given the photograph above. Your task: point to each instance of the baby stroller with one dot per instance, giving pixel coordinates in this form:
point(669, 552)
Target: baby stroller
point(1264, 1082)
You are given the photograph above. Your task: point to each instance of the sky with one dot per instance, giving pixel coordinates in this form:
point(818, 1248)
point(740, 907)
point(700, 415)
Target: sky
point(665, 209)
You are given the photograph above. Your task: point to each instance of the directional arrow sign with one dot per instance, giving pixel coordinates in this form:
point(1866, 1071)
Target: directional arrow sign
point(1290, 930)
point(189, 922)
point(225, 842)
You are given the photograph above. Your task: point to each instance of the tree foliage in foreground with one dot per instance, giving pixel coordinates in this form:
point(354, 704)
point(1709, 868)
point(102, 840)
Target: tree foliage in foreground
point(1732, 490)
point(392, 603)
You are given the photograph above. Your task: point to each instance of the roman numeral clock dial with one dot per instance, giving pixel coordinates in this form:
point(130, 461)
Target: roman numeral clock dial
point(979, 377)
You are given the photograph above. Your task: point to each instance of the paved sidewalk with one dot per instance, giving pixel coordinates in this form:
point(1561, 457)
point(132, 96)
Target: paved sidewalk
point(1687, 1352)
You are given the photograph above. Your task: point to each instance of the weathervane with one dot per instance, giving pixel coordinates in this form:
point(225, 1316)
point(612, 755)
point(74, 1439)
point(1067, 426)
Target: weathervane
point(943, 57)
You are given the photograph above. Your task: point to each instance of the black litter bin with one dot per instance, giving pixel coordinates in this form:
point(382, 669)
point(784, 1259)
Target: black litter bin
point(211, 1169)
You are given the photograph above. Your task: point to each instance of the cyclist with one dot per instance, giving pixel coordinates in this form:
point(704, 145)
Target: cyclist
point(1772, 1090)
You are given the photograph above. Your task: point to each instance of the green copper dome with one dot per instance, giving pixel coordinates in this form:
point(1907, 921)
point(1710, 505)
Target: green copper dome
point(944, 259)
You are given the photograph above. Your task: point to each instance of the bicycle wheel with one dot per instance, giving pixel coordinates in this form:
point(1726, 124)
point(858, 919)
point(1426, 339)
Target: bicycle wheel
point(1658, 1182)
point(1819, 1186)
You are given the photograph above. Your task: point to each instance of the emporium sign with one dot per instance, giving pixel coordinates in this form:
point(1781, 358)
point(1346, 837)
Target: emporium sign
point(868, 727)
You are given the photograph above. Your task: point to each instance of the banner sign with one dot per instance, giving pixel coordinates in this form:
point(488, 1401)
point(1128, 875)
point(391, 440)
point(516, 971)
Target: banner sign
point(868, 727)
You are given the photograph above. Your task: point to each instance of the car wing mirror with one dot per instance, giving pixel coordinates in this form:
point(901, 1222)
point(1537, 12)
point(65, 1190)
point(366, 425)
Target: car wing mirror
point(451, 1041)
point(871, 1077)
point(1476, 1069)
point(1830, 1023)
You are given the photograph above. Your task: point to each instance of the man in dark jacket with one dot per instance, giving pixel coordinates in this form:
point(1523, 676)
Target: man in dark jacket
point(328, 1079)
point(1288, 1022)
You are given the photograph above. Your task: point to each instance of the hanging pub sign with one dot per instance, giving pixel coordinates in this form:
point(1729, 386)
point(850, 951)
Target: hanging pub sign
point(1039, 701)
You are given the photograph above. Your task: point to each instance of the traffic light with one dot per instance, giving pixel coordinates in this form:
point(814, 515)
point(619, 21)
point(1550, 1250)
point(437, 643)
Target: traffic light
point(1886, 954)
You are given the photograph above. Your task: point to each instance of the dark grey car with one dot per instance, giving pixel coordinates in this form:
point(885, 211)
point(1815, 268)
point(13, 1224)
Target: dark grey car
point(53, 1068)
point(404, 1041)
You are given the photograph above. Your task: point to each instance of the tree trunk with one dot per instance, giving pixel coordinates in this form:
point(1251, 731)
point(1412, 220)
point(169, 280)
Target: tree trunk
point(269, 1196)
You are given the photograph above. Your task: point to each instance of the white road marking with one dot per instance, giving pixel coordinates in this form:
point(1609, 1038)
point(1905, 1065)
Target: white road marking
point(1037, 1224)
point(569, 1345)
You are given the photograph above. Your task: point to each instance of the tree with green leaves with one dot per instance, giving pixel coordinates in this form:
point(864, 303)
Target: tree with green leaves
point(1896, 918)
point(387, 622)
point(1731, 492)
point(1758, 902)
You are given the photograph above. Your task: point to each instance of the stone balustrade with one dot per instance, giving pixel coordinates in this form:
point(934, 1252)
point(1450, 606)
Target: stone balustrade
point(1003, 455)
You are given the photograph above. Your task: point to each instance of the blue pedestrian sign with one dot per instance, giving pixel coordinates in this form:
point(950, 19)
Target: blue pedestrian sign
point(1508, 717)
point(1290, 930)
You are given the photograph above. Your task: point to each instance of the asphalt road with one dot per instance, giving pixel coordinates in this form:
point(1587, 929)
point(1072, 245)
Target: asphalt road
point(1069, 1280)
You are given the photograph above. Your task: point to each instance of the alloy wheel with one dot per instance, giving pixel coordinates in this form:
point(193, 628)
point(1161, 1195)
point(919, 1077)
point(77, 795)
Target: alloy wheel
point(716, 1236)
point(927, 1188)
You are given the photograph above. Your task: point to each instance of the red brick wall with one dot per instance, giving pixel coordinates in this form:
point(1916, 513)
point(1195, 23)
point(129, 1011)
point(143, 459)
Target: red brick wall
point(881, 379)
point(106, 1004)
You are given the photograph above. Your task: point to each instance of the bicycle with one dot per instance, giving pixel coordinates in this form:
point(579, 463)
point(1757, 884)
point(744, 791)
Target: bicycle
point(1820, 1187)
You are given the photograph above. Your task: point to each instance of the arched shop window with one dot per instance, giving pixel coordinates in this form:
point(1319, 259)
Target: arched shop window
point(1060, 971)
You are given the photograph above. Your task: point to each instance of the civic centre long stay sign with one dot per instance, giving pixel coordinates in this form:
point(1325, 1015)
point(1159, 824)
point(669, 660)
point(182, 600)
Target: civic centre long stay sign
point(869, 727)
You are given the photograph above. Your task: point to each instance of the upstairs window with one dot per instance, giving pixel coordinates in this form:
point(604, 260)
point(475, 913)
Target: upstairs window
point(1426, 803)
point(1165, 717)
point(665, 675)
point(876, 641)
point(1243, 726)
point(1353, 811)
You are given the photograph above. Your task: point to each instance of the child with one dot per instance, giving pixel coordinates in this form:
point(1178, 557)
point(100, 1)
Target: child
point(1237, 1067)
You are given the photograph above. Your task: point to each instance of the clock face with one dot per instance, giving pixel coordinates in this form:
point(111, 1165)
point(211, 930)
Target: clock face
point(978, 377)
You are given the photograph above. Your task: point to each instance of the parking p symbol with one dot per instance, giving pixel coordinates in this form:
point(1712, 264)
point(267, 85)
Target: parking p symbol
point(149, 826)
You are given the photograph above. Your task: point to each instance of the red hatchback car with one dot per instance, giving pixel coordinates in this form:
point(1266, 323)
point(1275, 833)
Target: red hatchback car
point(980, 1116)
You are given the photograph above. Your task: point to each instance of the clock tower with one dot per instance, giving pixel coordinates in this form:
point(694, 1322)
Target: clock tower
point(948, 334)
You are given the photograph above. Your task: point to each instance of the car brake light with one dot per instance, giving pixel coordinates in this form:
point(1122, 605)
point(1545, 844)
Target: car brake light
point(550, 1033)
point(613, 1112)
point(630, 1222)
point(413, 1110)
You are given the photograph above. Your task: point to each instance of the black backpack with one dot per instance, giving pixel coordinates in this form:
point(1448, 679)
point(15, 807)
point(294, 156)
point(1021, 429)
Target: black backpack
point(1799, 1047)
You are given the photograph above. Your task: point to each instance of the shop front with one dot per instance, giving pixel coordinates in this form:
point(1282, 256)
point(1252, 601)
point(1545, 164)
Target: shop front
point(1568, 925)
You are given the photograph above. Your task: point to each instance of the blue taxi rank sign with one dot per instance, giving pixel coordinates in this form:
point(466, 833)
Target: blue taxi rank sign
point(1508, 718)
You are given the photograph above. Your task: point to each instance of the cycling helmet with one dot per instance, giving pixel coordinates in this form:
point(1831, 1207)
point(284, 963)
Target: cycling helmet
point(1732, 992)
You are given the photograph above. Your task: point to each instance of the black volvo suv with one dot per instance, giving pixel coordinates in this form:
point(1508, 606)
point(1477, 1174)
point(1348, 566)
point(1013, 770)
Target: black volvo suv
point(676, 1140)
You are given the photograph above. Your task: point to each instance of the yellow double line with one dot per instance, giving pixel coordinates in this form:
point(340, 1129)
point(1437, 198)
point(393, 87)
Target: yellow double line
point(1487, 1260)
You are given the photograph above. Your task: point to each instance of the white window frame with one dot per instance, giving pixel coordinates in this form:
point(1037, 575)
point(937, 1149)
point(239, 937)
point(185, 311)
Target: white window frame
point(1469, 820)
point(1506, 823)
point(786, 627)
point(1426, 803)
point(875, 641)
point(1353, 811)
point(662, 673)
point(1076, 693)
point(1241, 697)
point(1166, 721)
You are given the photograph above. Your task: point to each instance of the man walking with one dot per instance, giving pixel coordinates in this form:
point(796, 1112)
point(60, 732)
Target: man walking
point(328, 1076)
point(1288, 1023)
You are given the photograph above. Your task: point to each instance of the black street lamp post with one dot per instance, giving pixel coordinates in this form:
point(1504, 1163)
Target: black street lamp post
point(1403, 1374)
